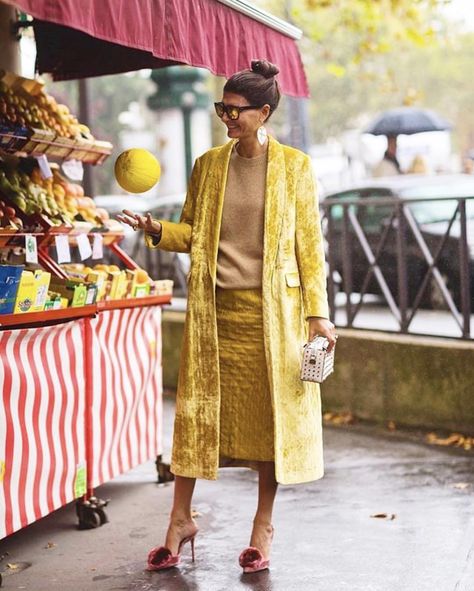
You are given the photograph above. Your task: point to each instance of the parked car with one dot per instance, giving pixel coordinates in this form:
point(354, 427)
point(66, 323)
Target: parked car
point(432, 218)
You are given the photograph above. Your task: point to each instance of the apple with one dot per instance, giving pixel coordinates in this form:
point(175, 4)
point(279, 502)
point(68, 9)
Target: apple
point(10, 211)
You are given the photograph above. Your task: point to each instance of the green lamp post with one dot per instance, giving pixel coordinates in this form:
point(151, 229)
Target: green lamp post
point(180, 87)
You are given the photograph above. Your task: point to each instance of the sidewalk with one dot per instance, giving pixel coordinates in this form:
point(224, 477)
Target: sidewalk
point(325, 537)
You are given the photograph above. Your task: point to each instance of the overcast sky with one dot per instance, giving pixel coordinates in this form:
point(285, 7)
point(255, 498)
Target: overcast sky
point(461, 11)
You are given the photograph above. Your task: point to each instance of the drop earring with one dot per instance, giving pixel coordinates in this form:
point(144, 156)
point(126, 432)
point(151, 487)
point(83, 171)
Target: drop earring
point(262, 135)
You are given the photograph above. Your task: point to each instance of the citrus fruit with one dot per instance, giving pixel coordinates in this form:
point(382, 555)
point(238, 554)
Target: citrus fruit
point(137, 170)
point(141, 276)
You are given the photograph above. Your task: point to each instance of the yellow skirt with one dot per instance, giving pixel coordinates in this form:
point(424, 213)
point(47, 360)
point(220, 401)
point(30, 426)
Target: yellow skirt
point(246, 415)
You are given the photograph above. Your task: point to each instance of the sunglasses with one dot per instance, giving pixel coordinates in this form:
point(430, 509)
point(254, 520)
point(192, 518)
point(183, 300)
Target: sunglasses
point(232, 111)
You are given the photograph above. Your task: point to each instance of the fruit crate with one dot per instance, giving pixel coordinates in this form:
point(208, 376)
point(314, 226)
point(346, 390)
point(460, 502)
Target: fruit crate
point(6, 235)
point(32, 142)
point(12, 138)
point(37, 141)
point(34, 222)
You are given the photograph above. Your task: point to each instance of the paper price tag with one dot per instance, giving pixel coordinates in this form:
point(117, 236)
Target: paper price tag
point(98, 247)
point(84, 246)
point(73, 169)
point(80, 482)
point(62, 248)
point(31, 249)
point(44, 166)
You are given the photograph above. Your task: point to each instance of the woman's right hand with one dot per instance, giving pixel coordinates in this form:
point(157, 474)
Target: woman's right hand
point(140, 222)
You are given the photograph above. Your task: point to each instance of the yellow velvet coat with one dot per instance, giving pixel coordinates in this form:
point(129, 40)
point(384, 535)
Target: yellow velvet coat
point(293, 288)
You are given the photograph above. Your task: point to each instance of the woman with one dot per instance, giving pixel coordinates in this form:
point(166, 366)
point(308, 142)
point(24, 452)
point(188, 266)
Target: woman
point(256, 292)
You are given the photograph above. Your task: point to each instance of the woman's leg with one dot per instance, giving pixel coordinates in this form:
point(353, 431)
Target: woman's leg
point(262, 523)
point(181, 523)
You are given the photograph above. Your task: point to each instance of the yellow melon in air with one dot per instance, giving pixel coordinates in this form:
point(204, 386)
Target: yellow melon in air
point(137, 170)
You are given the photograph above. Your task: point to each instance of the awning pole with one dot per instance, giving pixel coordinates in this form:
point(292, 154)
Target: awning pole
point(9, 44)
point(84, 117)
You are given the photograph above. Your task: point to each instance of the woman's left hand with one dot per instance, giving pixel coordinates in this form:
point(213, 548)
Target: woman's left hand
point(324, 328)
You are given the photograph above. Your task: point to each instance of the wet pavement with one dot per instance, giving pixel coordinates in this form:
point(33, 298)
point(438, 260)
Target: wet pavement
point(325, 537)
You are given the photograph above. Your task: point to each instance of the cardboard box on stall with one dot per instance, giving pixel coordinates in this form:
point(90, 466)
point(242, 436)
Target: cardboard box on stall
point(10, 276)
point(32, 291)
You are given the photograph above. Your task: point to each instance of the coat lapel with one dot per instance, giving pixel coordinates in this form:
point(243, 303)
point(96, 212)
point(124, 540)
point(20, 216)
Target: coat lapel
point(218, 181)
point(274, 207)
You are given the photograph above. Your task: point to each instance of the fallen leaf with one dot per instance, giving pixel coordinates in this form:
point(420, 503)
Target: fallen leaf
point(339, 418)
point(50, 545)
point(389, 516)
point(12, 565)
point(461, 485)
point(456, 439)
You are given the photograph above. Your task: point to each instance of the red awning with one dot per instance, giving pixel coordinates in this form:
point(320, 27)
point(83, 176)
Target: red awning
point(78, 39)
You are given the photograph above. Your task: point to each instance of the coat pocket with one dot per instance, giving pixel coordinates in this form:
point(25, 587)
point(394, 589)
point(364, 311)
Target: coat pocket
point(292, 279)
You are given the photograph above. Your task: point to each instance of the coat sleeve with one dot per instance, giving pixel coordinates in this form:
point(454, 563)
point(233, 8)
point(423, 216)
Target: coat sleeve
point(176, 237)
point(309, 245)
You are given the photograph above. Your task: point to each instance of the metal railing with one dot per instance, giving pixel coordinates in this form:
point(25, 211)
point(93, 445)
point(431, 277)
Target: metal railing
point(402, 260)
point(395, 260)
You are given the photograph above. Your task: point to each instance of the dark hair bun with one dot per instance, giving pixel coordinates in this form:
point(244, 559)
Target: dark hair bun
point(266, 69)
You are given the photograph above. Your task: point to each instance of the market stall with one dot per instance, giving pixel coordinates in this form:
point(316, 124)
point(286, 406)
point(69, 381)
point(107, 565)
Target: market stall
point(80, 341)
point(80, 344)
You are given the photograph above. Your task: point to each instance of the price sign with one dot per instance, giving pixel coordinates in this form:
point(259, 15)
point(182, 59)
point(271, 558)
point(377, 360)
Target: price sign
point(31, 249)
point(44, 167)
point(73, 169)
point(84, 246)
point(98, 247)
point(62, 248)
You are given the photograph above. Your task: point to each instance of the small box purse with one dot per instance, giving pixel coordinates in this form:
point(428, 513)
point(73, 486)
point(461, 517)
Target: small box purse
point(317, 363)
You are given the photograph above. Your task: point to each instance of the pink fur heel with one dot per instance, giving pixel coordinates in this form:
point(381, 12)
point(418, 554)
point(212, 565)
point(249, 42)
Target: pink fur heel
point(160, 557)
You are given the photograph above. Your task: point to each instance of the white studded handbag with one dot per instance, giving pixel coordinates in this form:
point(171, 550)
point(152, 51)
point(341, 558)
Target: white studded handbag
point(317, 363)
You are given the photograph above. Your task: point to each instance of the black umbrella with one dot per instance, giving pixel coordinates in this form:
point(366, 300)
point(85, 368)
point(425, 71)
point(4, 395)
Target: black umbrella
point(406, 121)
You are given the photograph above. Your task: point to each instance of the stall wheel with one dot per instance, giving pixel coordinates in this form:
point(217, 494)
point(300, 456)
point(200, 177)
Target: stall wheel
point(163, 469)
point(91, 513)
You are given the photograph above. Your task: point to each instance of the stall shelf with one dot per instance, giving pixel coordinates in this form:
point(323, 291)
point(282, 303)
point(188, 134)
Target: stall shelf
point(47, 317)
point(22, 144)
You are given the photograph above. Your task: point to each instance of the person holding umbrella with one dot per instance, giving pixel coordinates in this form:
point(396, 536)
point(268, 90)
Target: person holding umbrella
point(389, 165)
point(257, 293)
point(402, 121)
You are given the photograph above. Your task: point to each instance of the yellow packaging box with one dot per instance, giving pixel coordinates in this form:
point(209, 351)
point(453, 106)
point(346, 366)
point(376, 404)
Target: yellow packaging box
point(73, 290)
point(26, 293)
point(42, 280)
point(135, 288)
point(100, 279)
point(118, 287)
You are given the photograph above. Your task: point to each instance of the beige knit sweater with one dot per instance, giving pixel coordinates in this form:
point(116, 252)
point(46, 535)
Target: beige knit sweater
point(240, 254)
